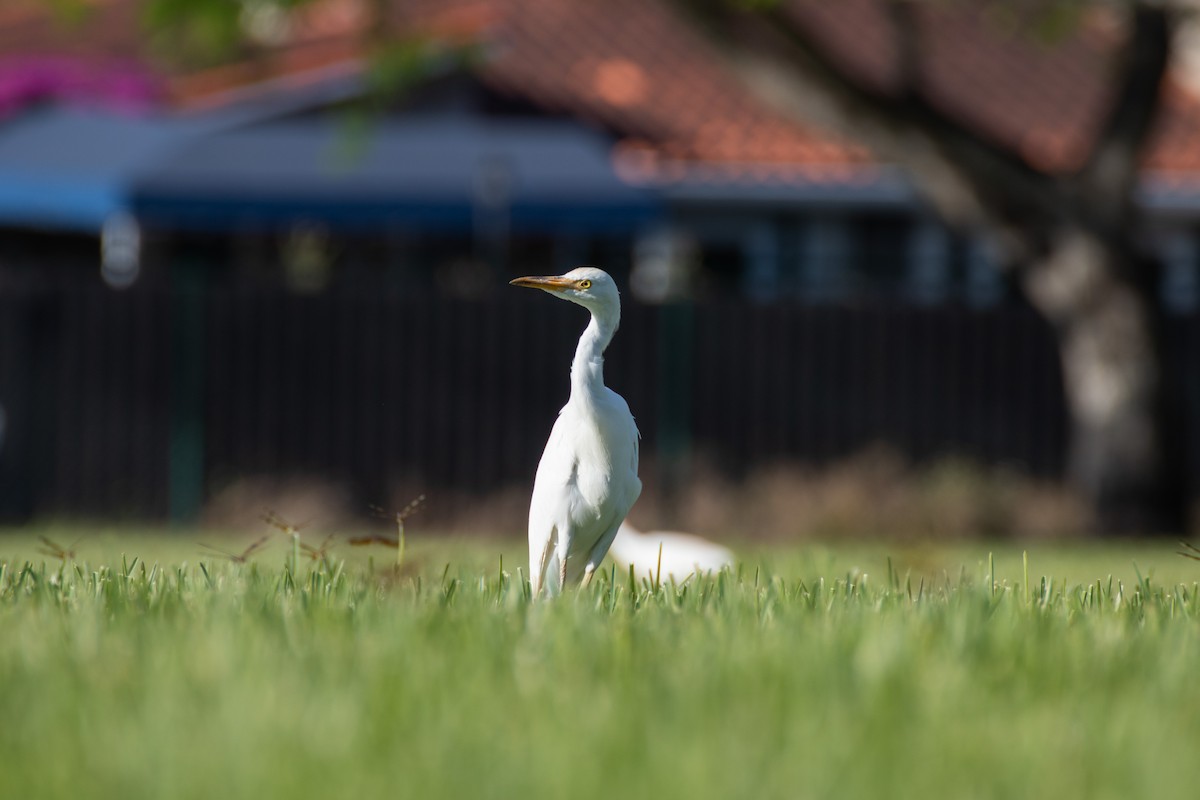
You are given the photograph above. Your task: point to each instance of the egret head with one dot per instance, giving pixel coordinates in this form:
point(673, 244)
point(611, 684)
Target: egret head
point(592, 288)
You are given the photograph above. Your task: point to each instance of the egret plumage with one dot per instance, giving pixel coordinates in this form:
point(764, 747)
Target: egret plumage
point(587, 479)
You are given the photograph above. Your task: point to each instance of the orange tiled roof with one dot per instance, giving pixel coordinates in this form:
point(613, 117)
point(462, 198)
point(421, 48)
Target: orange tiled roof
point(631, 66)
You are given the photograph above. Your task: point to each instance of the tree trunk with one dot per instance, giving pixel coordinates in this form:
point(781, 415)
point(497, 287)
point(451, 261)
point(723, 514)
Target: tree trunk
point(1074, 235)
point(1126, 450)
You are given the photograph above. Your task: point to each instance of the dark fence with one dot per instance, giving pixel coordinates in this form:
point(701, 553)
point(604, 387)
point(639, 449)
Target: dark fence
point(142, 403)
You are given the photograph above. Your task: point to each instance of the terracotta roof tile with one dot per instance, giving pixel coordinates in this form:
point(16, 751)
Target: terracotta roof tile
point(633, 68)
point(1042, 99)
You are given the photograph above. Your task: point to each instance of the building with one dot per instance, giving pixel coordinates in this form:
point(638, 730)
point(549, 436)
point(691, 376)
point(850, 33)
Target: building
point(641, 128)
point(335, 157)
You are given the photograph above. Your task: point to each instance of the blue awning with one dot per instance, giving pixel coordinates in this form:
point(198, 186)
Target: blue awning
point(72, 168)
point(442, 172)
point(75, 169)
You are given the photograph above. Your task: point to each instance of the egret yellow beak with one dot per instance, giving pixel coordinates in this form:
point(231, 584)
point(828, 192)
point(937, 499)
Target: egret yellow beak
point(551, 283)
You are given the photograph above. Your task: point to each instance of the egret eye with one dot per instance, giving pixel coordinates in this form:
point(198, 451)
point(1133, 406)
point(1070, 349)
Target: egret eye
point(585, 284)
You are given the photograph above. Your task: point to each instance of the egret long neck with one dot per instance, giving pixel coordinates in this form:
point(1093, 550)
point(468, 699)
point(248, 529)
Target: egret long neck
point(587, 370)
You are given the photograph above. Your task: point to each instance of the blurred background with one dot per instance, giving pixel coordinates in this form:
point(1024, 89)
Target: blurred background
point(255, 254)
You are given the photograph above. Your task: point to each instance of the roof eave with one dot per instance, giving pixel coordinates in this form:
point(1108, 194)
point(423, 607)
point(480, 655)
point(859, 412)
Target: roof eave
point(1160, 194)
point(1170, 194)
point(813, 186)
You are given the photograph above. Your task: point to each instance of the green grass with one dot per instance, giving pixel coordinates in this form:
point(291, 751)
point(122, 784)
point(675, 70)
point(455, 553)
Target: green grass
point(812, 672)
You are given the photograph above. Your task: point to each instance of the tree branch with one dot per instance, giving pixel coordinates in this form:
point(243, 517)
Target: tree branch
point(969, 176)
point(906, 34)
point(1111, 171)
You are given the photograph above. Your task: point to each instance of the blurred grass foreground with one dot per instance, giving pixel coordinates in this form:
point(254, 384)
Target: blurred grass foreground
point(804, 673)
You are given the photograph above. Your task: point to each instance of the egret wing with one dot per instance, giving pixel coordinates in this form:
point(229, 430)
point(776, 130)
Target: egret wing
point(548, 508)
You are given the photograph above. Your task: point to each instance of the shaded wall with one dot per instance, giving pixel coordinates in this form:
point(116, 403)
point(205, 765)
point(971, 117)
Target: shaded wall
point(141, 404)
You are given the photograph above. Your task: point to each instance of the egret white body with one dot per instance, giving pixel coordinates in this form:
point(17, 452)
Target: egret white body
point(682, 553)
point(587, 479)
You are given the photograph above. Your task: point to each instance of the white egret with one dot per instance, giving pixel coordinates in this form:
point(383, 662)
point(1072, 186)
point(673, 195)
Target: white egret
point(587, 479)
point(682, 553)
